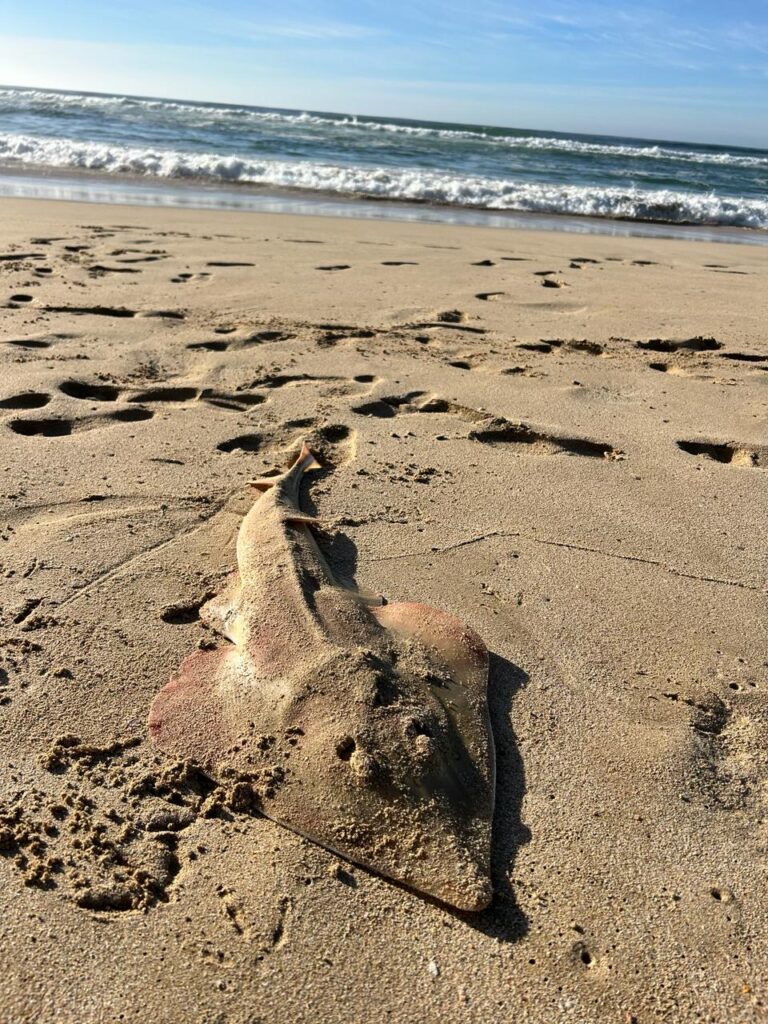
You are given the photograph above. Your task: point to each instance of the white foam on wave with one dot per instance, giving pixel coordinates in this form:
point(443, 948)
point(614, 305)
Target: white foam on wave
point(36, 99)
point(408, 184)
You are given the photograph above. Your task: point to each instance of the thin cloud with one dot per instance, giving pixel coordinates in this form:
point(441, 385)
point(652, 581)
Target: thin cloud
point(318, 31)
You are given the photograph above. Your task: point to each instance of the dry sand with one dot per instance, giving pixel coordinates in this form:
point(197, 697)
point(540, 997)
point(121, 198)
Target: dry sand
point(574, 462)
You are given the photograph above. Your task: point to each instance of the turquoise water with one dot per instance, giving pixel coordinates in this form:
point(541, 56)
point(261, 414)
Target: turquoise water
point(212, 151)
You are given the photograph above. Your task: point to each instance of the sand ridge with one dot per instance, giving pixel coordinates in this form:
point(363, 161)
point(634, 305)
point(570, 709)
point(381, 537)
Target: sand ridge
point(577, 472)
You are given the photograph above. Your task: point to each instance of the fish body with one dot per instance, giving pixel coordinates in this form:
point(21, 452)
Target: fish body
point(362, 727)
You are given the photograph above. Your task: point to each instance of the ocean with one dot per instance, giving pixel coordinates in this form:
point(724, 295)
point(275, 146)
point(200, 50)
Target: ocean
point(171, 152)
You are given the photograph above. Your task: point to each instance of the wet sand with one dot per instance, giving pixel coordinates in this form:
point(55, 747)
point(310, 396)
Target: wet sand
point(559, 439)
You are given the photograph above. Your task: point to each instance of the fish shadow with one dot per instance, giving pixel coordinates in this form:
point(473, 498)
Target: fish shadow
point(504, 920)
point(339, 551)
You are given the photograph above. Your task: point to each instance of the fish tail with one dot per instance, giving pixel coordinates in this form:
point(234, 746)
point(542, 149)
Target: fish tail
point(304, 462)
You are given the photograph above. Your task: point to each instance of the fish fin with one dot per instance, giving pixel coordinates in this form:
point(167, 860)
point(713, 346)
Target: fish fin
point(300, 519)
point(188, 717)
point(454, 643)
point(306, 459)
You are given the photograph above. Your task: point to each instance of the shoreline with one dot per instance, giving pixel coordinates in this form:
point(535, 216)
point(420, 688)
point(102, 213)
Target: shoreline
point(134, 190)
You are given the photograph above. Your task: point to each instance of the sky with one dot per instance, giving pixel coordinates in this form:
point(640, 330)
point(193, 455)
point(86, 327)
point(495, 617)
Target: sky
point(691, 70)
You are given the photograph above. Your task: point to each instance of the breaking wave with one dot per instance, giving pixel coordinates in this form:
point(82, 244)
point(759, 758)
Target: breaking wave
point(404, 184)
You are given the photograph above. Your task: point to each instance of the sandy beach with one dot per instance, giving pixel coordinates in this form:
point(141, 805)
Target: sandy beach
point(560, 439)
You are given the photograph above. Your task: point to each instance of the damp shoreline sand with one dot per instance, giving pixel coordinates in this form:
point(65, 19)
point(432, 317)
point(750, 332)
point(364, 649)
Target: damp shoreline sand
point(558, 438)
point(71, 185)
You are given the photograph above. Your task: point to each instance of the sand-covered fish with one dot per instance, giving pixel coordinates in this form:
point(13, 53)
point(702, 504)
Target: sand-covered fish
point(361, 726)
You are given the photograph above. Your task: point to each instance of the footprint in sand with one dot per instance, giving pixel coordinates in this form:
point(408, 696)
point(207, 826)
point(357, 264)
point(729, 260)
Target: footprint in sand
point(547, 345)
point(535, 346)
point(39, 341)
point(209, 346)
point(60, 427)
point(697, 344)
point(238, 401)
point(241, 443)
point(29, 343)
point(229, 263)
point(745, 357)
point(101, 270)
point(246, 341)
point(26, 400)
point(18, 257)
point(670, 368)
point(451, 320)
point(538, 442)
point(335, 443)
point(489, 429)
point(90, 392)
point(727, 452)
point(389, 406)
point(143, 259)
point(186, 277)
point(119, 312)
point(180, 394)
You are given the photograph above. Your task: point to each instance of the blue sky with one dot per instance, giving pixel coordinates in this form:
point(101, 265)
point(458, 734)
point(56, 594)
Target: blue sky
point(690, 69)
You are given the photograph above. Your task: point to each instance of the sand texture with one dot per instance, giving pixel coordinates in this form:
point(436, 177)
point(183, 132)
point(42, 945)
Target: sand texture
point(558, 439)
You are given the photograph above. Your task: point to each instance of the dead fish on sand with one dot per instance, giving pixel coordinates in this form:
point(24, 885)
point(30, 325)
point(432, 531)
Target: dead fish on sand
point(361, 726)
